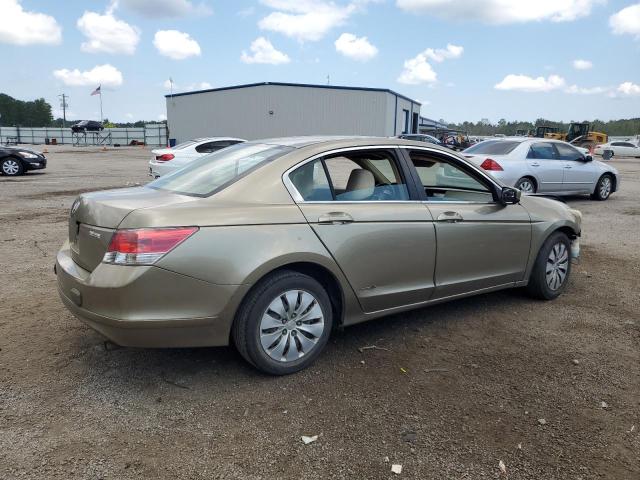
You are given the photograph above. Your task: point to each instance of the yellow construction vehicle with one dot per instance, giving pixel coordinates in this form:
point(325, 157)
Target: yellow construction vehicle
point(580, 135)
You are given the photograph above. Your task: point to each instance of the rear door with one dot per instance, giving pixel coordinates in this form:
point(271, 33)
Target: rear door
point(549, 171)
point(367, 215)
point(579, 175)
point(482, 244)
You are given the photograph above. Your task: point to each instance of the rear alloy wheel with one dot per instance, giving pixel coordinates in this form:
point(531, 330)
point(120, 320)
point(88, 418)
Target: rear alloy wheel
point(526, 185)
point(284, 323)
point(12, 167)
point(551, 271)
point(603, 188)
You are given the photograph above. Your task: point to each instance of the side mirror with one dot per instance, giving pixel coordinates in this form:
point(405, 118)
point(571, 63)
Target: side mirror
point(510, 195)
point(588, 158)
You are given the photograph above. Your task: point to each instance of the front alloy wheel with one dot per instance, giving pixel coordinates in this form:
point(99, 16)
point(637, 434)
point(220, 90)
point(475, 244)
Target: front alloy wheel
point(557, 266)
point(603, 188)
point(552, 268)
point(12, 167)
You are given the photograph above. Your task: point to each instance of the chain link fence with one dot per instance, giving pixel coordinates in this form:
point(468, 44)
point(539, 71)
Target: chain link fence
point(153, 134)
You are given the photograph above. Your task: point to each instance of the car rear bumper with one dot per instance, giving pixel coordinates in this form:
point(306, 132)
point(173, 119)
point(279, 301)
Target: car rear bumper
point(147, 306)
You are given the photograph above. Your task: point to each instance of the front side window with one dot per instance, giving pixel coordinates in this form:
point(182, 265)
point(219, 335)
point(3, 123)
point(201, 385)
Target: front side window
point(542, 151)
point(360, 175)
point(213, 172)
point(567, 152)
point(445, 182)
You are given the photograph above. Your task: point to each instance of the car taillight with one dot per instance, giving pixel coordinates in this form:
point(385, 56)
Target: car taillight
point(165, 157)
point(491, 165)
point(144, 246)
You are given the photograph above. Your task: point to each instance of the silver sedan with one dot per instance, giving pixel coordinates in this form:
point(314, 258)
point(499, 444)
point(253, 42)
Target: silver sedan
point(540, 165)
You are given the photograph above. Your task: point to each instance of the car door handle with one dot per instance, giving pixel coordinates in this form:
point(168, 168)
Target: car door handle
point(567, 166)
point(450, 217)
point(335, 218)
point(535, 164)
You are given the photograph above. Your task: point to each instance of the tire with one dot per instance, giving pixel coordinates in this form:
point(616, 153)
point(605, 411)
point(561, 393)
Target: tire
point(552, 269)
point(276, 338)
point(526, 185)
point(12, 167)
point(603, 188)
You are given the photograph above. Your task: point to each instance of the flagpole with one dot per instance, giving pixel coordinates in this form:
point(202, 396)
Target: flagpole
point(100, 103)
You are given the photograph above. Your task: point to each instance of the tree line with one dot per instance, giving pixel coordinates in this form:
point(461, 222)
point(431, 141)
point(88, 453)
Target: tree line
point(623, 127)
point(36, 113)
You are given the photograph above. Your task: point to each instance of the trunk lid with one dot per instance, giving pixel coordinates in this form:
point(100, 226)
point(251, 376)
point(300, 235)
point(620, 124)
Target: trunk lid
point(95, 217)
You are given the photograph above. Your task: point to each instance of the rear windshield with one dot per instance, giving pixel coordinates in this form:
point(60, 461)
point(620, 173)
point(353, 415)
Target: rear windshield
point(182, 145)
point(493, 147)
point(213, 172)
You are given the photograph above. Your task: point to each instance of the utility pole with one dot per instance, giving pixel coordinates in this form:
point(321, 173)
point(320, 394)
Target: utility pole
point(64, 105)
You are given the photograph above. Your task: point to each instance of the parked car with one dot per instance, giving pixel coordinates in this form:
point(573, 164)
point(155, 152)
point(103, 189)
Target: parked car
point(168, 160)
point(270, 244)
point(16, 161)
point(87, 126)
point(618, 149)
point(545, 166)
point(421, 137)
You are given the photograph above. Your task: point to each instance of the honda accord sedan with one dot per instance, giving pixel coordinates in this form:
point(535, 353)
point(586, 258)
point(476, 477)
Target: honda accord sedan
point(552, 167)
point(271, 244)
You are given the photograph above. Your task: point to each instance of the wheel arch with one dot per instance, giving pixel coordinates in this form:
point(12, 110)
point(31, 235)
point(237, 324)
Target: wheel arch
point(16, 158)
point(331, 280)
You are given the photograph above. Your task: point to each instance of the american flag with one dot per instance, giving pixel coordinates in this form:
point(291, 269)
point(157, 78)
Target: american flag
point(97, 91)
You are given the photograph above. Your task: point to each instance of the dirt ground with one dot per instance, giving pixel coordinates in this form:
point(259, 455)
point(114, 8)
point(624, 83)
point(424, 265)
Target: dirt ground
point(453, 390)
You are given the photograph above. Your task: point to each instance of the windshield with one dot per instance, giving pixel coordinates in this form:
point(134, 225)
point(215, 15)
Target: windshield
point(213, 172)
point(493, 147)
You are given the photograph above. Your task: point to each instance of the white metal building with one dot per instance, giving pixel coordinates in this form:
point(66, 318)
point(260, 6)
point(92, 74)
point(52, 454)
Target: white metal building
point(270, 109)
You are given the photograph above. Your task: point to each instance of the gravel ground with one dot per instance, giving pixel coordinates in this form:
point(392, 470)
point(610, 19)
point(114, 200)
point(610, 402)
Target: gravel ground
point(453, 390)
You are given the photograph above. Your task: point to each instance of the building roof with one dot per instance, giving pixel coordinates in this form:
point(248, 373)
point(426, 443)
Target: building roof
point(283, 84)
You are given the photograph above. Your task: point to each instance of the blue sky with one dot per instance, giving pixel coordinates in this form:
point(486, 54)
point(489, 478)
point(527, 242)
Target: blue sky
point(465, 60)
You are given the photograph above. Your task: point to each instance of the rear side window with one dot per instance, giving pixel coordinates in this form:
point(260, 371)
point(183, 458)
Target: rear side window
point(311, 182)
point(215, 171)
point(542, 151)
point(493, 147)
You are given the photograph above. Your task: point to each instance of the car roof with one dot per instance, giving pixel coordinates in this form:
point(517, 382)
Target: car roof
point(339, 141)
point(214, 139)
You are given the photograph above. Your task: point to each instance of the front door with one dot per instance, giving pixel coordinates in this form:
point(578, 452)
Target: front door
point(543, 163)
point(359, 205)
point(481, 243)
point(579, 175)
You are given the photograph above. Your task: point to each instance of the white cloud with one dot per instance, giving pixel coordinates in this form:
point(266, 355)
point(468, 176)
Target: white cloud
point(106, 75)
point(582, 64)
point(262, 51)
point(357, 48)
point(193, 86)
point(106, 33)
point(524, 83)
point(576, 90)
point(306, 20)
point(176, 45)
point(502, 11)
point(626, 21)
point(418, 70)
point(165, 8)
point(629, 89)
point(162, 117)
point(21, 27)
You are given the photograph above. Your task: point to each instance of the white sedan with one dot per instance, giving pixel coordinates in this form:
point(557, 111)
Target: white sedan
point(168, 160)
point(545, 166)
point(618, 149)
